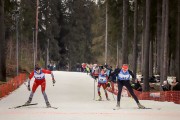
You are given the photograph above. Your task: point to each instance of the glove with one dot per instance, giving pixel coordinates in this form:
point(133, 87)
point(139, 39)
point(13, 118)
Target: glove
point(108, 84)
point(110, 78)
point(29, 88)
point(53, 80)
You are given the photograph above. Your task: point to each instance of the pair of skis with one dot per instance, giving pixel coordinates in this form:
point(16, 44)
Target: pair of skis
point(32, 104)
point(117, 108)
point(136, 108)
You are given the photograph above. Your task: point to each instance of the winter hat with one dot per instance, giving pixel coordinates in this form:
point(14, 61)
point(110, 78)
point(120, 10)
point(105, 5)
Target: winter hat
point(37, 67)
point(125, 67)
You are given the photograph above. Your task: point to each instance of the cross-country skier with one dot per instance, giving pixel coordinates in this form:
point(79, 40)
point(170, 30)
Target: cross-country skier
point(102, 81)
point(95, 71)
point(39, 75)
point(123, 76)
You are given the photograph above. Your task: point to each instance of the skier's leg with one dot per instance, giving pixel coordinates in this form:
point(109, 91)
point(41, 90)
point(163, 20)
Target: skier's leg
point(104, 87)
point(112, 86)
point(128, 86)
point(98, 89)
point(46, 99)
point(43, 87)
point(120, 86)
point(35, 85)
point(30, 98)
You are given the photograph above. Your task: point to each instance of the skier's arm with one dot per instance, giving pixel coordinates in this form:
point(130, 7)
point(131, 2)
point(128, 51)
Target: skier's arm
point(116, 71)
point(132, 74)
point(29, 79)
point(49, 72)
point(31, 75)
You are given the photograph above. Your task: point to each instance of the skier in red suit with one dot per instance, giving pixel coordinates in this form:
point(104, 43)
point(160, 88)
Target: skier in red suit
point(39, 75)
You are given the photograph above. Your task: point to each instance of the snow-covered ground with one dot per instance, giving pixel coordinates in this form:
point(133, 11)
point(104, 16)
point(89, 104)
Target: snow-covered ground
point(73, 94)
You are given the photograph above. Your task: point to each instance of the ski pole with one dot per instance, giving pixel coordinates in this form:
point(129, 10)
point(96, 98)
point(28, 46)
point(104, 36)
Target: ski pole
point(94, 89)
point(26, 86)
point(113, 96)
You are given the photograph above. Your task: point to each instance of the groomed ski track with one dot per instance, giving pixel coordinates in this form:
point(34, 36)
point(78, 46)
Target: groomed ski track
point(73, 94)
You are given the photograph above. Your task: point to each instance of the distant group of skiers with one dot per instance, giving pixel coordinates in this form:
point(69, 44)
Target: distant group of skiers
point(107, 77)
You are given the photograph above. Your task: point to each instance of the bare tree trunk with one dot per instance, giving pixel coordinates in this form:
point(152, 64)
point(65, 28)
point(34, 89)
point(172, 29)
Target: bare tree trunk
point(146, 48)
point(47, 54)
point(151, 59)
point(162, 41)
point(124, 33)
point(2, 45)
point(11, 48)
point(106, 33)
point(165, 57)
point(135, 54)
point(159, 18)
point(143, 36)
point(177, 73)
point(36, 35)
point(165, 41)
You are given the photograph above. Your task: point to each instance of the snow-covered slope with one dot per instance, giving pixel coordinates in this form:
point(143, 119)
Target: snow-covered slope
point(73, 94)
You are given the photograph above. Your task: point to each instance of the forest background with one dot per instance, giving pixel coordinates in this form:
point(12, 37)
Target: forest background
point(143, 33)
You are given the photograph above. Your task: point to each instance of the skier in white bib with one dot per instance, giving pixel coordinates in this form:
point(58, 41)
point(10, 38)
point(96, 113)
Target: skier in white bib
point(123, 76)
point(102, 81)
point(39, 75)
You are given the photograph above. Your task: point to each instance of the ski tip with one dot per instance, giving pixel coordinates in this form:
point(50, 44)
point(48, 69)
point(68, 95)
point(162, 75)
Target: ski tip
point(19, 106)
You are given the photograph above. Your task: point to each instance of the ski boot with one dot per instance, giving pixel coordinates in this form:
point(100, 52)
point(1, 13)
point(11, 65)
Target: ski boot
point(140, 106)
point(28, 102)
point(107, 99)
point(117, 106)
point(48, 104)
point(99, 99)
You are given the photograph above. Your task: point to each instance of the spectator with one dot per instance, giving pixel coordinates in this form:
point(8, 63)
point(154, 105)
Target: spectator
point(166, 86)
point(175, 85)
point(87, 69)
point(142, 79)
point(152, 79)
point(136, 85)
point(50, 67)
point(54, 66)
point(83, 67)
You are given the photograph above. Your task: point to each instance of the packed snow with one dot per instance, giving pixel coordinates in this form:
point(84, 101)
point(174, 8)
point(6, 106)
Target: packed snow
point(73, 94)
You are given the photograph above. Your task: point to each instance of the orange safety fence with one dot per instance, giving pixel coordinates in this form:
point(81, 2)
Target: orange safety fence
point(169, 96)
point(12, 85)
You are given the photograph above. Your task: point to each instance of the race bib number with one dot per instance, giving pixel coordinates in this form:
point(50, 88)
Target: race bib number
point(102, 79)
point(39, 76)
point(123, 77)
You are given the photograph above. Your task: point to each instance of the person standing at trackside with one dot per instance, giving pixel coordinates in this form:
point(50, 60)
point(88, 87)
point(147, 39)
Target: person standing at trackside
point(39, 75)
point(123, 79)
